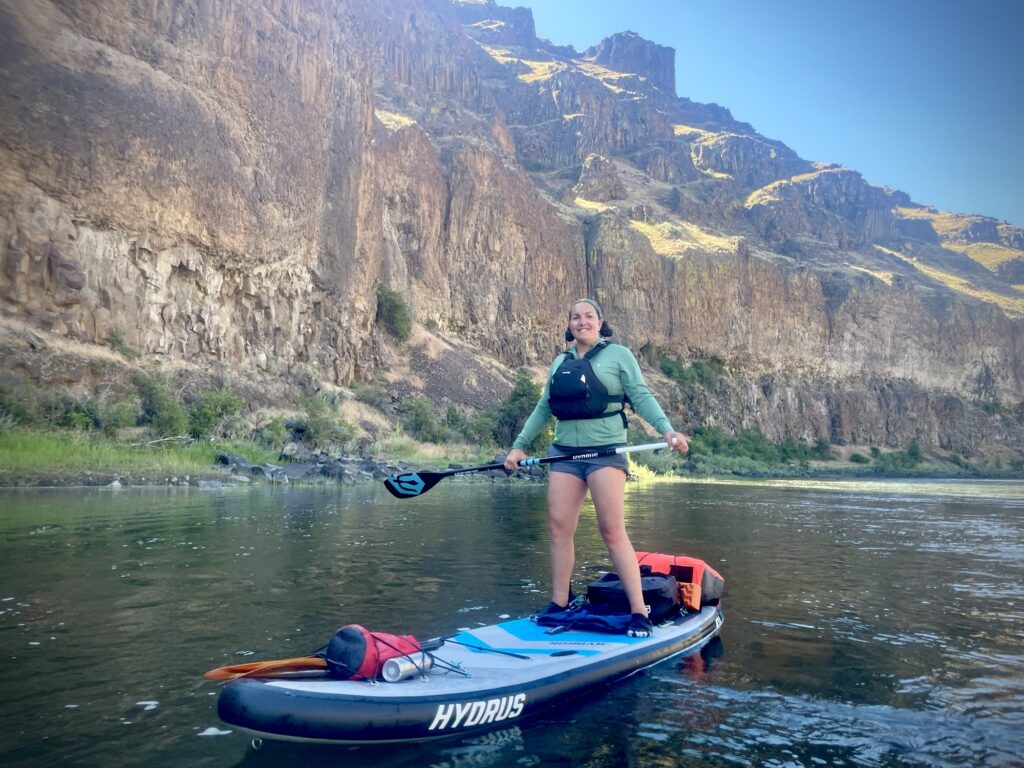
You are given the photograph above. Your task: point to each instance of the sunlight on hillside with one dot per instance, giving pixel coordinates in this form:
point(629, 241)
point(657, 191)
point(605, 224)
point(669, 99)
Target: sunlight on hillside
point(948, 226)
point(676, 238)
point(393, 121)
point(500, 55)
point(540, 70)
point(765, 195)
point(801, 177)
point(1013, 306)
point(607, 77)
point(885, 277)
point(689, 132)
point(591, 205)
point(989, 255)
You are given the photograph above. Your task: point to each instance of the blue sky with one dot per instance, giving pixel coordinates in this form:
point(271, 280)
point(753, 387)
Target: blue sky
point(926, 96)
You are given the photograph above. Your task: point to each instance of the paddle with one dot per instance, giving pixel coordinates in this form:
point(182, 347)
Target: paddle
point(417, 483)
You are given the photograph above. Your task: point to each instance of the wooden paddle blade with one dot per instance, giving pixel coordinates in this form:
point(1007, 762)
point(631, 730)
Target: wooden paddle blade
point(413, 483)
point(267, 668)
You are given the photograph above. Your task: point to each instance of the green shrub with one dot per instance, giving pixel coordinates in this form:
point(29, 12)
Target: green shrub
point(823, 449)
point(372, 394)
point(482, 427)
point(323, 424)
point(76, 414)
point(511, 415)
point(752, 444)
point(418, 419)
point(24, 403)
point(117, 343)
point(914, 451)
point(859, 458)
point(273, 433)
point(119, 415)
point(213, 408)
point(897, 461)
point(161, 412)
point(393, 313)
point(700, 372)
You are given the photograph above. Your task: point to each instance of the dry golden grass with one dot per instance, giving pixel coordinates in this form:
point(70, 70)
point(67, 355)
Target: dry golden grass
point(808, 176)
point(689, 132)
point(1013, 306)
point(765, 195)
point(591, 205)
point(949, 226)
point(676, 238)
point(989, 255)
point(716, 174)
point(885, 277)
point(501, 55)
point(606, 77)
point(540, 70)
point(393, 121)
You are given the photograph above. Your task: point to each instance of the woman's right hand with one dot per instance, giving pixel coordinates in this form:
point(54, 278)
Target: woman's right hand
point(513, 458)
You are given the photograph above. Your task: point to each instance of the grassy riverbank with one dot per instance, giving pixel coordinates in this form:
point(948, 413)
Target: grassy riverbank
point(31, 457)
point(150, 432)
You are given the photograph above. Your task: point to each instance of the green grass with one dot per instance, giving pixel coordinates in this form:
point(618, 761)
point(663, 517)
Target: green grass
point(34, 452)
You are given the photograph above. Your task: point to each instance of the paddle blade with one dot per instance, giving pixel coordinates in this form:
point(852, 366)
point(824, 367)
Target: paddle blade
point(412, 483)
point(276, 667)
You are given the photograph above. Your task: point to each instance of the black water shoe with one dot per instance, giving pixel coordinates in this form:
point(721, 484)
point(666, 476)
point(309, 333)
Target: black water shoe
point(553, 607)
point(640, 626)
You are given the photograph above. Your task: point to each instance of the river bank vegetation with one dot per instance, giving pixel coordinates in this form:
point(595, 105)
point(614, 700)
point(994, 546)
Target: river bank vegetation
point(155, 432)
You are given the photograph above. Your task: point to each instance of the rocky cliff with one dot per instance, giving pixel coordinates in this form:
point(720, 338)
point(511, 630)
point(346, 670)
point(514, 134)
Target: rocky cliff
point(228, 183)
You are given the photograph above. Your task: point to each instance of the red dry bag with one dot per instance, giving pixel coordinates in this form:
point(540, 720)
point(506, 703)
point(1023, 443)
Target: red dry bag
point(355, 653)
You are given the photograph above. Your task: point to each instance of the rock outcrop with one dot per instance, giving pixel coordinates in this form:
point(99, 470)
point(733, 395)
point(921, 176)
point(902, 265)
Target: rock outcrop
point(231, 182)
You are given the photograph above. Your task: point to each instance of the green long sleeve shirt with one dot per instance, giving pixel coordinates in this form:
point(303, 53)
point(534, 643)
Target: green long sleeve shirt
point(619, 371)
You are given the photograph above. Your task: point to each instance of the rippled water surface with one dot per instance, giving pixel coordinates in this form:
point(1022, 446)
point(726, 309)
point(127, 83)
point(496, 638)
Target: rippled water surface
point(866, 624)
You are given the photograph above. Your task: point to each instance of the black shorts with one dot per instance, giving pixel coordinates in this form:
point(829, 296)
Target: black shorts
point(583, 467)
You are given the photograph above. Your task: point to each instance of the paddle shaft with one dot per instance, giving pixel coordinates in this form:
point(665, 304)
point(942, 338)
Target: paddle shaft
point(563, 457)
point(417, 483)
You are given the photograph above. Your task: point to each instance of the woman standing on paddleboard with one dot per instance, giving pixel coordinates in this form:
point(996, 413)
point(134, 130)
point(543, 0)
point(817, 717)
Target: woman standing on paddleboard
point(587, 389)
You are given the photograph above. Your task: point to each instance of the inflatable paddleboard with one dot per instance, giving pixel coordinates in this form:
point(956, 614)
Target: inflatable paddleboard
point(490, 677)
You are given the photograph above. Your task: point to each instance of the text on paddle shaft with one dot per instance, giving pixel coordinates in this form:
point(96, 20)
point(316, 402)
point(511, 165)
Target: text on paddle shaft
point(464, 715)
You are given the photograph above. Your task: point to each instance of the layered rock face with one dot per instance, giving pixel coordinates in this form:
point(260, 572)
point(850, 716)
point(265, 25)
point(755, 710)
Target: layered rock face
point(231, 182)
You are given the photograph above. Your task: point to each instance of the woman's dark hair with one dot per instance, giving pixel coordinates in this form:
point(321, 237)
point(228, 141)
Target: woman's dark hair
point(605, 332)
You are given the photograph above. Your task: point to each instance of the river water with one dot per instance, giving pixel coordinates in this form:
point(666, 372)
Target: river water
point(867, 624)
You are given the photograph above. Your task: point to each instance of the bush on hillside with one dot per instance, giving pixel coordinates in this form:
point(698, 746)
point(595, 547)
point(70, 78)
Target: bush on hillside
point(323, 424)
point(511, 415)
point(207, 417)
point(419, 420)
point(161, 411)
point(393, 313)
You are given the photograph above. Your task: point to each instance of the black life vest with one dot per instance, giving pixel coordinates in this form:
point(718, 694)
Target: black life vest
point(576, 391)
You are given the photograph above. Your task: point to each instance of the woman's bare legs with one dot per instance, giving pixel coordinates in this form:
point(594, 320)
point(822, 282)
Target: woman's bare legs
point(565, 498)
point(607, 490)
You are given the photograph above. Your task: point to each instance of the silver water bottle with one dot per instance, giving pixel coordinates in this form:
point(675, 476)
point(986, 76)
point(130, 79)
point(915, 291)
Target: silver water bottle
point(402, 667)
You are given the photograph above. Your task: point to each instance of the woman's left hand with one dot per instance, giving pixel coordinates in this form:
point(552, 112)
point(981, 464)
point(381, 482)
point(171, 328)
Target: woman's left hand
point(677, 441)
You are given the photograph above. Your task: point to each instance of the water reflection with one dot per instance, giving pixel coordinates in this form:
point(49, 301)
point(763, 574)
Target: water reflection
point(866, 624)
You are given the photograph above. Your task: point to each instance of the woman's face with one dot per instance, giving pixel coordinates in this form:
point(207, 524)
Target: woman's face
point(584, 323)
